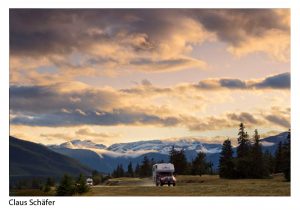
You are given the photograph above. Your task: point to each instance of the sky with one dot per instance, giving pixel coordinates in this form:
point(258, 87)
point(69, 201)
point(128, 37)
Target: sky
point(121, 75)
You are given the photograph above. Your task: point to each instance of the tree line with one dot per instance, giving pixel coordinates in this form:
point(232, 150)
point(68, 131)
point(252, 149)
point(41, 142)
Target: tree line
point(197, 166)
point(247, 161)
point(250, 161)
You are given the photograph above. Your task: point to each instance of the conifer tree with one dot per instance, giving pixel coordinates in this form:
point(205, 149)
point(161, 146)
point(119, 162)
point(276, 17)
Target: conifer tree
point(286, 168)
point(137, 170)
point(279, 159)
point(66, 186)
point(243, 142)
point(130, 170)
point(199, 164)
point(258, 170)
point(81, 186)
point(145, 169)
point(269, 162)
point(49, 183)
point(179, 160)
point(226, 162)
point(243, 166)
point(97, 177)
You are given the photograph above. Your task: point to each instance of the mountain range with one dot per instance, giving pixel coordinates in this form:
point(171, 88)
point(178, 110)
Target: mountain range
point(105, 159)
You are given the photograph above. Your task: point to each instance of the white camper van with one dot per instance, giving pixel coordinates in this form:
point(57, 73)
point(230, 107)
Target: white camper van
point(89, 181)
point(163, 174)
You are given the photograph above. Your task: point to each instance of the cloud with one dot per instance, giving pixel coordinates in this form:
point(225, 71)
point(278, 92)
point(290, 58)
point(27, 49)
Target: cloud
point(61, 136)
point(279, 120)
point(221, 83)
point(88, 132)
point(106, 39)
point(77, 104)
point(95, 42)
point(116, 117)
point(279, 81)
point(251, 30)
point(41, 99)
point(243, 117)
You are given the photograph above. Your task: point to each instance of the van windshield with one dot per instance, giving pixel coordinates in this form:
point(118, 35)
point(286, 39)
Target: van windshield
point(165, 174)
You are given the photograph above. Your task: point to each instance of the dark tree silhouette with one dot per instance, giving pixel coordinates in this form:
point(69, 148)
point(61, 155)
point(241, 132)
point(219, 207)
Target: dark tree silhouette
point(66, 186)
point(226, 162)
point(81, 186)
point(146, 168)
point(257, 165)
point(137, 170)
point(243, 154)
point(286, 168)
point(179, 160)
point(279, 158)
point(130, 170)
point(199, 164)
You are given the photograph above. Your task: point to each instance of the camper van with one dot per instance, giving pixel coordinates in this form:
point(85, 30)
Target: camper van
point(163, 174)
point(89, 181)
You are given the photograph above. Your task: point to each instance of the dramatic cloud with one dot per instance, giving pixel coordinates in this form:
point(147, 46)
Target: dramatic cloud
point(74, 72)
point(77, 104)
point(279, 81)
point(41, 99)
point(93, 42)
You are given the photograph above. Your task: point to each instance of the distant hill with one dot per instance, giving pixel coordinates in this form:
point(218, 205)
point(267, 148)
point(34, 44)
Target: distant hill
point(30, 159)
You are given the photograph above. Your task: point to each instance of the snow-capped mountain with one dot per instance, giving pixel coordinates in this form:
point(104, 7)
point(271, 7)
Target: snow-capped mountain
point(105, 159)
point(80, 144)
point(133, 149)
point(164, 146)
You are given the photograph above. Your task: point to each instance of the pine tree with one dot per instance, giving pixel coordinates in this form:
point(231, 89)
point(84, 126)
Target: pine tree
point(199, 164)
point(130, 170)
point(279, 159)
point(226, 163)
point(286, 168)
point(243, 141)
point(269, 162)
point(97, 177)
point(258, 170)
point(121, 171)
point(49, 183)
point(145, 169)
point(179, 160)
point(137, 170)
point(244, 169)
point(66, 186)
point(81, 186)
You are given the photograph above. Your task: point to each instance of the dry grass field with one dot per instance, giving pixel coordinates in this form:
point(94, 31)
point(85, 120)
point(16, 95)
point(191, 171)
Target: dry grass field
point(206, 185)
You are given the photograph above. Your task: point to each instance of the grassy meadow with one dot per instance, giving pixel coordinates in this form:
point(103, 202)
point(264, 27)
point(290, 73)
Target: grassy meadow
point(206, 185)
